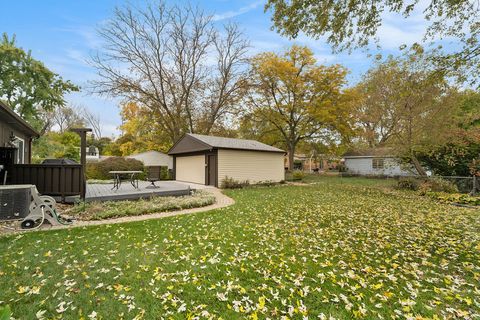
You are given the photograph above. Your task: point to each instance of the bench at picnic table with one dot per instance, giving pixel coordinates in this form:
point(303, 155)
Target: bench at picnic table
point(117, 177)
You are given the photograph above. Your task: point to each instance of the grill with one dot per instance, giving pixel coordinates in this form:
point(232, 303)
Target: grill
point(14, 202)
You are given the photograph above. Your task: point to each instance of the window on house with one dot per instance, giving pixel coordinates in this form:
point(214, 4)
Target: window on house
point(378, 163)
point(20, 144)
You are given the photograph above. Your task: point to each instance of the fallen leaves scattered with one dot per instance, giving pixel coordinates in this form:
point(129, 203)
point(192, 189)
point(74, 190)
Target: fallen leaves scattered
point(333, 250)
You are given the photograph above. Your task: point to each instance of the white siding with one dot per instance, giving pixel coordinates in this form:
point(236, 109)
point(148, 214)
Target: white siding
point(253, 166)
point(190, 169)
point(363, 165)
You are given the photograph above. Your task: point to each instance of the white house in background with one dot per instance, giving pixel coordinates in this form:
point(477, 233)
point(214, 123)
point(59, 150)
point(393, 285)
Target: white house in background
point(93, 155)
point(153, 159)
point(375, 162)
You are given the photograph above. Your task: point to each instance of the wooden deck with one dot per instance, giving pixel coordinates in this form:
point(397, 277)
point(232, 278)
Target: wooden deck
point(104, 192)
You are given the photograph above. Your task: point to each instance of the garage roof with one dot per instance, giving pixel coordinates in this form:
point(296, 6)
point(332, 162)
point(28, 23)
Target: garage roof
point(198, 142)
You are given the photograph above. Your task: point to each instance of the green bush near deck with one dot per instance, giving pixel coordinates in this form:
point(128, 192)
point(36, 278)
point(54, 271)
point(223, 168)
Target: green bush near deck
point(100, 170)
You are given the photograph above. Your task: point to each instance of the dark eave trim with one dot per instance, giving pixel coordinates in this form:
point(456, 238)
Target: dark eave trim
point(27, 128)
point(208, 147)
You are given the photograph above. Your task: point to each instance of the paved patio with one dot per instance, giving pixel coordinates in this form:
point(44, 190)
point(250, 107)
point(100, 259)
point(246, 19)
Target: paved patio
point(104, 192)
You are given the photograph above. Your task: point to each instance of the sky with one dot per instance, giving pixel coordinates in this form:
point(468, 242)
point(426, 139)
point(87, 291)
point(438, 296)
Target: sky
point(63, 35)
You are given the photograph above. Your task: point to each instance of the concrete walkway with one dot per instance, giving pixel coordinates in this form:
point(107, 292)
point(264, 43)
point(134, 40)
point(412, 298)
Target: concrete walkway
point(221, 201)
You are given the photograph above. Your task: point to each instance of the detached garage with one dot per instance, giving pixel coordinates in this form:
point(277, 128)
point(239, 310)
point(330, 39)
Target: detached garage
point(208, 160)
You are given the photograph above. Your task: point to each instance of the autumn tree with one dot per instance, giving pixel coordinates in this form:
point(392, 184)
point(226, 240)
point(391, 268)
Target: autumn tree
point(175, 64)
point(139, 131)
point(63, 118)
point(29, 88)
point(405, 107)
point(348, 25)
point(456, 155)
point(295, 98)
point(54, 144)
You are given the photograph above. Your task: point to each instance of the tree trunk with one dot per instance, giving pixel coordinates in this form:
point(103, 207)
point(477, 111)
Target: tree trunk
point(418, 166)
point(291, 156)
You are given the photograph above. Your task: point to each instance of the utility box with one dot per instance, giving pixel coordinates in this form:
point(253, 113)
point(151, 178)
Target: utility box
point(14, 201)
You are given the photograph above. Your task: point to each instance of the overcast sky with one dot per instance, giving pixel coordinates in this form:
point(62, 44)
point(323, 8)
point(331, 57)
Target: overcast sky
point(63, 35)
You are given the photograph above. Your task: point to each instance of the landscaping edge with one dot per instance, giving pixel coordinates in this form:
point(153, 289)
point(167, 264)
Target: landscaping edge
point(221, 201)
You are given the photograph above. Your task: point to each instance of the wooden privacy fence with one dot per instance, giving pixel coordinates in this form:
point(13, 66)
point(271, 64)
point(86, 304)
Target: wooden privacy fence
point(51, 179)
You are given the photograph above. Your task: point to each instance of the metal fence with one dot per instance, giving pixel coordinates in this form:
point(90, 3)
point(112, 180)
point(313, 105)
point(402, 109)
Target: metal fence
point(464, 184)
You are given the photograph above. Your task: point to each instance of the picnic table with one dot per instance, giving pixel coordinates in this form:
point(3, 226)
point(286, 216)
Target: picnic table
point(132, 177)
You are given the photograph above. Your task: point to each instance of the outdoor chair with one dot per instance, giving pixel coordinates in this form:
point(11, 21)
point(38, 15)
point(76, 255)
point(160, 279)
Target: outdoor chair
point(153, 175)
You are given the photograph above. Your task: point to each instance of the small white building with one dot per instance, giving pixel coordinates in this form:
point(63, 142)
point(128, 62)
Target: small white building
point(153, 159)
point(375, 162)
point(92, 154)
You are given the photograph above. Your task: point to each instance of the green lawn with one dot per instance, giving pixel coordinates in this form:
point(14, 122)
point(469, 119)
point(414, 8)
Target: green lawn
point(343, 247)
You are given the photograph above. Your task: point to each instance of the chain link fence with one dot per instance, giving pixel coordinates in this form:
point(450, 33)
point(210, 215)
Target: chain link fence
point(464, 184)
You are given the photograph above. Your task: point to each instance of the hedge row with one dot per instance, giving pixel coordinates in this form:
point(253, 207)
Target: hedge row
point(100, 170)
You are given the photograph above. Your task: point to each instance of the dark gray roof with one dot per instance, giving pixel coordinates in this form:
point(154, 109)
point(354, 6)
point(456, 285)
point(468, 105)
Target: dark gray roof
point(232, 143)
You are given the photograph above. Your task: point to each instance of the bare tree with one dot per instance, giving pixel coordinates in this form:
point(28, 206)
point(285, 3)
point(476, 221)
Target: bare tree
point(62, 118)
point(68, 117)
point(161, 58)
point(92, 120)
point(227, 86)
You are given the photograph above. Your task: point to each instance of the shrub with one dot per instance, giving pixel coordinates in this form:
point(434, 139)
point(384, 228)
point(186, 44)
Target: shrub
point(231, 183)
point(455, 198)
point(100, 170)
point(408, 183)
point(116, 209)
point(342, 167)
point(425, 185)
point(437, 185)
point(298, 175)
point(267, 183)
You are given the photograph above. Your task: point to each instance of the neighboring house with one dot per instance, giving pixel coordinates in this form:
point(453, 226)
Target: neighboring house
point(208, 160)
point(310, 163)
point(92, 154)
point(16, 137)
point(377, 161)
point(154, 159)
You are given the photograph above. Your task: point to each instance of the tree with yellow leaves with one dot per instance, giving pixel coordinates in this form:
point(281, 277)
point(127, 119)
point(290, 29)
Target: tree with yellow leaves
point(296, 99)
point(140, 132)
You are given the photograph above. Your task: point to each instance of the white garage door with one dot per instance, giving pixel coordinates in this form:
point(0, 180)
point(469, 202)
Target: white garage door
point(191, 169)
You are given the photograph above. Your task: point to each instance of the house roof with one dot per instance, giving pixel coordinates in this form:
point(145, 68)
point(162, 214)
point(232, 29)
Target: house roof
point(153, 158)
point(155, 152)
point(369, 153)
point(198, 142)
point(9, 116)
